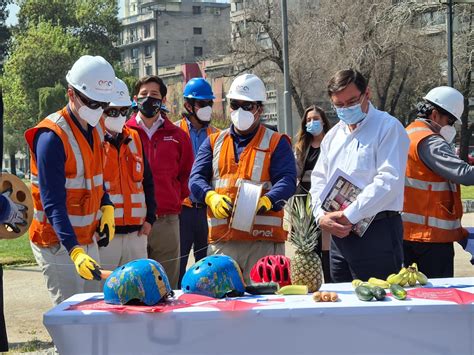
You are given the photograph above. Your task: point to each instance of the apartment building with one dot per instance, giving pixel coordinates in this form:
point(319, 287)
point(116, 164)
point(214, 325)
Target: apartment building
point(162, 33)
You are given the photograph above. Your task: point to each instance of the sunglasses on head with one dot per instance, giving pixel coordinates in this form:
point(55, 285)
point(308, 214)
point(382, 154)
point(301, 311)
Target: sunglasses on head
point(92, 104)
point(246, 106)
point(116, 111)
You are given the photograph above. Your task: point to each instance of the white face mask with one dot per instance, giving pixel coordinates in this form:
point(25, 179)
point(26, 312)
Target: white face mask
point(448, 132)
point(204, 113)
point(242, 119)
point(115, 124)
point(89, 115)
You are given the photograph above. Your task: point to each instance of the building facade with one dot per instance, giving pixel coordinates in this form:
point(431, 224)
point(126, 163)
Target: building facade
point(163, 33)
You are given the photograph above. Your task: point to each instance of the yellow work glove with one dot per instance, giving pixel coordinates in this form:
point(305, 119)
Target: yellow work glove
point(264, 204)
point(221, 205)
point(107, 226)
point(86, 267)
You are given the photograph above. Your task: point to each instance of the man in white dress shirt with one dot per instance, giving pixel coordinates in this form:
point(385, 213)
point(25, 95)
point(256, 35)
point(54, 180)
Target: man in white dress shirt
point(371, 146)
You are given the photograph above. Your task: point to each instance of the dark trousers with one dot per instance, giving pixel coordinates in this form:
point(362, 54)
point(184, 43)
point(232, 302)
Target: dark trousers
point(433, 259)
point(326, 266)
point(3, 328)
point(378, 253)
point(193, 230)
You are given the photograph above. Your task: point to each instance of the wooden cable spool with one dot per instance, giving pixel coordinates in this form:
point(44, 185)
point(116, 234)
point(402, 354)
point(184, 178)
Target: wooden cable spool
point(20, 194)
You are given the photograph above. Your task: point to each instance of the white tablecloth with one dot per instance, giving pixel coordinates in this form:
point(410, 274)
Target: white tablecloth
point(297, 326)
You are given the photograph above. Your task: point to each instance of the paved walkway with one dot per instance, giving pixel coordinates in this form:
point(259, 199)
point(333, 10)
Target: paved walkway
point(26, 297)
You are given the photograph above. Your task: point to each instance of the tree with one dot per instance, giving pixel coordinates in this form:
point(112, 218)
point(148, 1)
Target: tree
point(381, 39)
point(51, 35)
point(39, 58)
point(4, 30)
point(94, 22)
point(463, 66)
point(51, 99)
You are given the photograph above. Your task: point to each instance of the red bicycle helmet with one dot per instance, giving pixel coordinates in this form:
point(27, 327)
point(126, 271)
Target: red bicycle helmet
point(274, 268)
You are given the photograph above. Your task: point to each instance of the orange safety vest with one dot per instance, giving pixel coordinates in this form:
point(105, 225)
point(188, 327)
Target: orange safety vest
point(123, 176)
point(84, 180)
point(254, 165)
point(432, 208)
point(183, 124)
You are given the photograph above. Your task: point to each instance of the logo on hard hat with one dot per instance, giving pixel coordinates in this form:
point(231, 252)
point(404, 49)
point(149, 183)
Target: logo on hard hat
point(243, 88)
point(104, 85)
point(121, 93)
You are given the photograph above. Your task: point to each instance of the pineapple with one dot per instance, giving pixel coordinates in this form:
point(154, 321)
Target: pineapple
point(306, 268)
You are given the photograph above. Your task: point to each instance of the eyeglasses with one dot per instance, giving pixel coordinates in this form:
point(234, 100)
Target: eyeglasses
point(350, 103)
point(92, 104)
point(246, 106)
point(116, 111)
point(203, 103)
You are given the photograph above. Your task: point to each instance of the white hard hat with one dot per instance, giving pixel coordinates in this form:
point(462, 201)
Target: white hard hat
point(122, 97)
point(448, 99)
point(247, 87)
point(94, 77)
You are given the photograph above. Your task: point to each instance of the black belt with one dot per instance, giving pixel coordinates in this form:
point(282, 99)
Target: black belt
point(197, 205)
point(386, 214)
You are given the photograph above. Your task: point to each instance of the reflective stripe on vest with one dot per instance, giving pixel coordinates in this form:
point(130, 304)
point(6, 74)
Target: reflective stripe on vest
point(128, 198)
point(221, 183)
point(260, 156)
point(257, 170)
point(215, 157)
point(430, 185)
point(432, 208)
point(227, 175)
point(262, 220)
point(432, 221)
point(78, 182)
point(77, 221)
point(418, 129)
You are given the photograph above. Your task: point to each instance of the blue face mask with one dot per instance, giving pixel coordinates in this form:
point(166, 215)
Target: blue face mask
point(351, 115)
point(314, 127)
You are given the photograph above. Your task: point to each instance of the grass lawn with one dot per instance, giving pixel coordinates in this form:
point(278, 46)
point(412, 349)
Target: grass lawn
point(16, 251)
point(467, 192)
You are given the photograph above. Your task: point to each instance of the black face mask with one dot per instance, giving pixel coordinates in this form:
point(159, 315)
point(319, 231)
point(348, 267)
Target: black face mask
point(149, 106)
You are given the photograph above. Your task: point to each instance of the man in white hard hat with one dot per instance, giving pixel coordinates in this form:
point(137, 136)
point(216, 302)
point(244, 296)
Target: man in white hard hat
point(245, 151)
point(129, 183)
point(67, 182)
point(432, 209)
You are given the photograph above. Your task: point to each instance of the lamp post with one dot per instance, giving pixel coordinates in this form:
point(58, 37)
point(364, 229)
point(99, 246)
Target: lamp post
point(449, 34)
point(286, 71)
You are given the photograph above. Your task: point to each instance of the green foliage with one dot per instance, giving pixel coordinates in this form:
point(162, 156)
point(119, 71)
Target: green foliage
point(16, 251)
point(467, 192)
point(4, 30)
point(40, 57)
point(94, 22)
point(51, 99)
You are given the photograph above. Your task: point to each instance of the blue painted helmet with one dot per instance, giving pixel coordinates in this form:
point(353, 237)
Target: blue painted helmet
point(214, 276)
point(198, 89)
point(144, 280)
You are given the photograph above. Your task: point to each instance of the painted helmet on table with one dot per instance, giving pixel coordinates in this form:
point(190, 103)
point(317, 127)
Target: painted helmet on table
point(143, 280)
point(274, 268)
point(214, 276)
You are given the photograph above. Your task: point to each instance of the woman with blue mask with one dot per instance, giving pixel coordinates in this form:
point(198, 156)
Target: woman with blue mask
point(314, 126)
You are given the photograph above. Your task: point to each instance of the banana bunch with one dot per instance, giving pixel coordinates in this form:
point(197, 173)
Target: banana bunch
point(293, 290)
point(408, 276)
point(372, 282)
